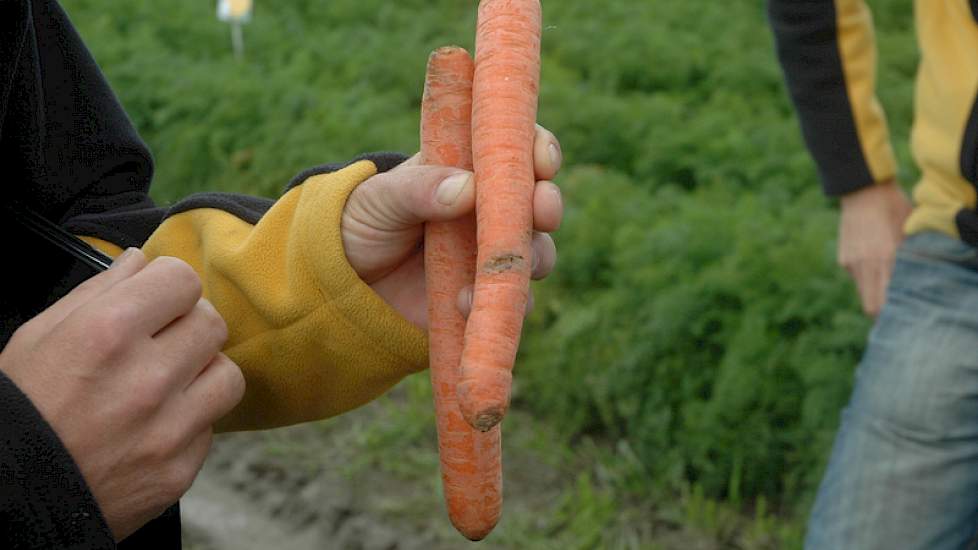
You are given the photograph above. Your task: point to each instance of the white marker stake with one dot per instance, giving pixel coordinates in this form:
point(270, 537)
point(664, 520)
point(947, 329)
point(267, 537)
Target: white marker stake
point(237, 39)
point(235, 12)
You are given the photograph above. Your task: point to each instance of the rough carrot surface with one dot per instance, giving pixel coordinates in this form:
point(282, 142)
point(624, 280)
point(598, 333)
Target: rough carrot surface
point(470, 460)
point(505, 89)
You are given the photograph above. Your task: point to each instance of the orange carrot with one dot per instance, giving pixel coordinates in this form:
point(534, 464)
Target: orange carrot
point(504, 101)
point(470, 460)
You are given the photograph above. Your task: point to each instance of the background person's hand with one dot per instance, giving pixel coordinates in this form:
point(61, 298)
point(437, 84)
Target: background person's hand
point(127, 369)
point(383, 224)
point(870, 231)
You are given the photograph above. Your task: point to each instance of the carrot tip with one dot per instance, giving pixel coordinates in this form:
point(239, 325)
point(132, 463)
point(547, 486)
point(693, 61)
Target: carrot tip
point(485, 420)
point(477, 534)
point(483, 408)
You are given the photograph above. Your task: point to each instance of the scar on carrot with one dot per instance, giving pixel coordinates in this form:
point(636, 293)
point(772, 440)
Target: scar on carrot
point(506, 262)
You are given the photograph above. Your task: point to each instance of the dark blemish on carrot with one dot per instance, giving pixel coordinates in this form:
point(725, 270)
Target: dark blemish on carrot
point(506, 262)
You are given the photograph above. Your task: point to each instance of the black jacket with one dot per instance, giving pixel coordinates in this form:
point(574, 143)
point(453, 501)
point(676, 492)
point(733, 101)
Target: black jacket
point(68, 150)
point(828, 52)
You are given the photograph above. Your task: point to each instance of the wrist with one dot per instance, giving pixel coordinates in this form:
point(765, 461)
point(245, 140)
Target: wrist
point(870, 195)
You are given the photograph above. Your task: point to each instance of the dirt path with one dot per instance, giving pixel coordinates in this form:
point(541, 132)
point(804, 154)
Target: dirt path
point(252, 496)
point(369, 481)
point(217, 518)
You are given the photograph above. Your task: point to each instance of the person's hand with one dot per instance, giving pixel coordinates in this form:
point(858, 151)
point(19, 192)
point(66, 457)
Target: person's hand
point(870, 231)
point(383, 224)
point(127, 369)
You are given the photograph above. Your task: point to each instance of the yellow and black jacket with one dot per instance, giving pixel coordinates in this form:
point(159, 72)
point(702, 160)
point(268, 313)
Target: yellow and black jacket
point(311, 338)
point(828, 53)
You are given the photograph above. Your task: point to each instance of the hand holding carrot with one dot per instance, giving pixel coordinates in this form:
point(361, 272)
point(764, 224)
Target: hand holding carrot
point(383, 224)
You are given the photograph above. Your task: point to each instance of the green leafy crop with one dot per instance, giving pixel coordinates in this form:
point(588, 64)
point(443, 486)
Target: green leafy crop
point(696, 312)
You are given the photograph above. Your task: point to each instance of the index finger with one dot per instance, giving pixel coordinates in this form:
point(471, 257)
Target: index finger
point(166, 289)
point(126, 265)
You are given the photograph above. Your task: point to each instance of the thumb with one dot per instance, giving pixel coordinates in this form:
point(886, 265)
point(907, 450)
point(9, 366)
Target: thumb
point(411, 195)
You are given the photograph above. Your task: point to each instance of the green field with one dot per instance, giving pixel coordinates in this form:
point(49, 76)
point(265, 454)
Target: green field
point(692, 352)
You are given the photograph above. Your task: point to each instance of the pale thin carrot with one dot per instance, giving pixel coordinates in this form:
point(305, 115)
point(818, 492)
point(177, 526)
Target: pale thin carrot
point(505, 89)
point(470, 460)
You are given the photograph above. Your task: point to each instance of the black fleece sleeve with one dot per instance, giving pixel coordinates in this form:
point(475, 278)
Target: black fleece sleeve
point(44, 502)
point(67, 147)
point(68, 150)
point(66, 138)
point(828, 53)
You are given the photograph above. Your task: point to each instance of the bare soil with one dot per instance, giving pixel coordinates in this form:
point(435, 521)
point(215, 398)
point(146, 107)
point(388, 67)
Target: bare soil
point(329, 485)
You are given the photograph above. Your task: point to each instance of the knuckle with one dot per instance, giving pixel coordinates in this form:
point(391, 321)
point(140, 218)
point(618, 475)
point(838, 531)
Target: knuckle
point(180, 273)
point(364, 204)
point(165, 445)
point(355, 209)
point(235, 384)
point(112, 317)
point(147, 396)
point(223, 388)
point(375, 187)
point(88, 285)
point(184, 468)
point(108, 330)
point(28, 333)
point(213, 323)
point(179, 479)
point(219, 329)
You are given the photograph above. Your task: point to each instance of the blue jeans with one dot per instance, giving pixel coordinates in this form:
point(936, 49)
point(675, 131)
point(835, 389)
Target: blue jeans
point(904, 469)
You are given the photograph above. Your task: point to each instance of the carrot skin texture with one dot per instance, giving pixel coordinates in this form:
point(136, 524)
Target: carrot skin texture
point(505, 90)
point(470, 460)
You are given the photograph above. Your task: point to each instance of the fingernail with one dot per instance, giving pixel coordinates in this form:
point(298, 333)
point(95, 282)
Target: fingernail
point(451, 189)
point(124, 257)
point(560, 196)
point(555, 156)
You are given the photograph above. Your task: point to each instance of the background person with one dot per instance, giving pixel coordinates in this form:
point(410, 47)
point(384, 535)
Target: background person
point(904, 469)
